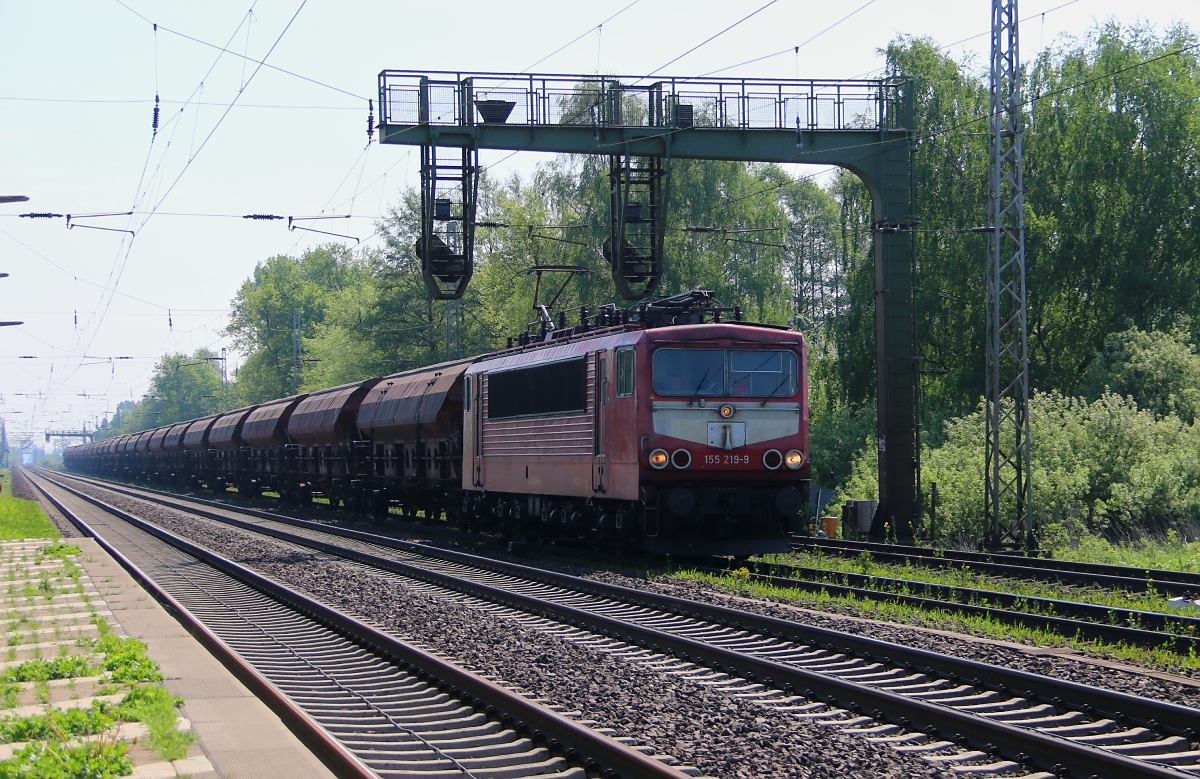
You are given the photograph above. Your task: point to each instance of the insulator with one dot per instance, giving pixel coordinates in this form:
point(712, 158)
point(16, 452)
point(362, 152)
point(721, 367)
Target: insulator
point(261, 216)
point(154, 124)
point(370, 120)
point(40, 215)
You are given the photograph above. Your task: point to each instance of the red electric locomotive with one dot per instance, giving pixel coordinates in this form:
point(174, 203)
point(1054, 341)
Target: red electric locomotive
point(683, 438)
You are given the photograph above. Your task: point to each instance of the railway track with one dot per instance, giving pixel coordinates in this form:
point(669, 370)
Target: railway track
point(973, 717)
point(1178, 583)
point(372, 705)
point(1173, 632)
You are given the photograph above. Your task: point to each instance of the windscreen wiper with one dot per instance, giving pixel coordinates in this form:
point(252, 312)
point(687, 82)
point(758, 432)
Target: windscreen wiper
point(696, 392)
point(772, 393)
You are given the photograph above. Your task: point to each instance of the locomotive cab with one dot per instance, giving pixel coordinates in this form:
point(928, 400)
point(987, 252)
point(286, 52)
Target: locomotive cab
point(725, 453)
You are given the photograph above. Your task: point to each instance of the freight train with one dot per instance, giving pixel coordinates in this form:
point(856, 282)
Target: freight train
point(672, 427)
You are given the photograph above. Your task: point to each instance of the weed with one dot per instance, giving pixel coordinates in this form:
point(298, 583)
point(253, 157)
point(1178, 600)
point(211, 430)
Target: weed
point(126, 661)
point(56, 723)
point(93, 760)
point(42, 670)
point(56, 550)
point(41, 691)
point(832, 568)
point(155, 708)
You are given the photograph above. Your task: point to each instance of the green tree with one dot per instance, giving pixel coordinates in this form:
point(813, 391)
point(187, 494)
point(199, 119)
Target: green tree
point(1159, 370)
point(1111, 156)
point(264, 309)
point(185, 387)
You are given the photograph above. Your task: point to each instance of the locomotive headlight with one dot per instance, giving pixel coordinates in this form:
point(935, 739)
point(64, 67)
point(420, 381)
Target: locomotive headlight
point(659, 459)
point(726, 411)
point(793, 459)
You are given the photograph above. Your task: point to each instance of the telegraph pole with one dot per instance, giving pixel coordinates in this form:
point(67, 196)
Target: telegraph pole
point(1008, 509)
point(295, 350)
point(224, 378)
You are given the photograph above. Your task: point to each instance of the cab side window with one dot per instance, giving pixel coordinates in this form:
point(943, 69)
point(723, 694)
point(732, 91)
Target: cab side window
point(624, 373)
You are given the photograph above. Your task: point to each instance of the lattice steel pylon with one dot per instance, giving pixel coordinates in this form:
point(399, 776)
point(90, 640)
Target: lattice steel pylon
point(1008, 508)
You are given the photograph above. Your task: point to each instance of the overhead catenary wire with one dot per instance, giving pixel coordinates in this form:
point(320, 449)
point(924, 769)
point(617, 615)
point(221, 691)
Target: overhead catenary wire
point(221, 119)
point(711, 38)
point(127, 244)
point(795, 49)
point(126, 247)
point(261, 63)
point(581, 36)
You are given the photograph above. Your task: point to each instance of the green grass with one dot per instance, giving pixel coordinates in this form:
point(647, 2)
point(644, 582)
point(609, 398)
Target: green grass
point(965, 577)
point(21, 518)
point(1168, 554)
point(739, 583)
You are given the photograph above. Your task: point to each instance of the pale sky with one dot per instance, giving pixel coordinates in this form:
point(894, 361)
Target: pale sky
point(77, 84)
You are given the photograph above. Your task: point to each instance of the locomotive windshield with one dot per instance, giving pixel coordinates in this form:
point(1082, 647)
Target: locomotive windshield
point(725, 372)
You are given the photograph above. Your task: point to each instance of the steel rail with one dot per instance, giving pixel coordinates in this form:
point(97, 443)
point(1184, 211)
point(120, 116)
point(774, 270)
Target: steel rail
point(579, 744)
point(1029, 745)
point(334, 754)
point(1182, 583)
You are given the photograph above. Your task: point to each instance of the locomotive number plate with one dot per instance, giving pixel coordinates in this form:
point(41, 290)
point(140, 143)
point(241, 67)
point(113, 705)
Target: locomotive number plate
point(726, 459)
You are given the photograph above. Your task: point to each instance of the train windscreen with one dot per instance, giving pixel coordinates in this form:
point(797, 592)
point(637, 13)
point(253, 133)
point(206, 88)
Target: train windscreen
point(725, 372)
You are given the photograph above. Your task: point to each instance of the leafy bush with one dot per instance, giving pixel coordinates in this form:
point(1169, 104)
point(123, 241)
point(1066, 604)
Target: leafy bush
point(1100, 468)
point(836, 439)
